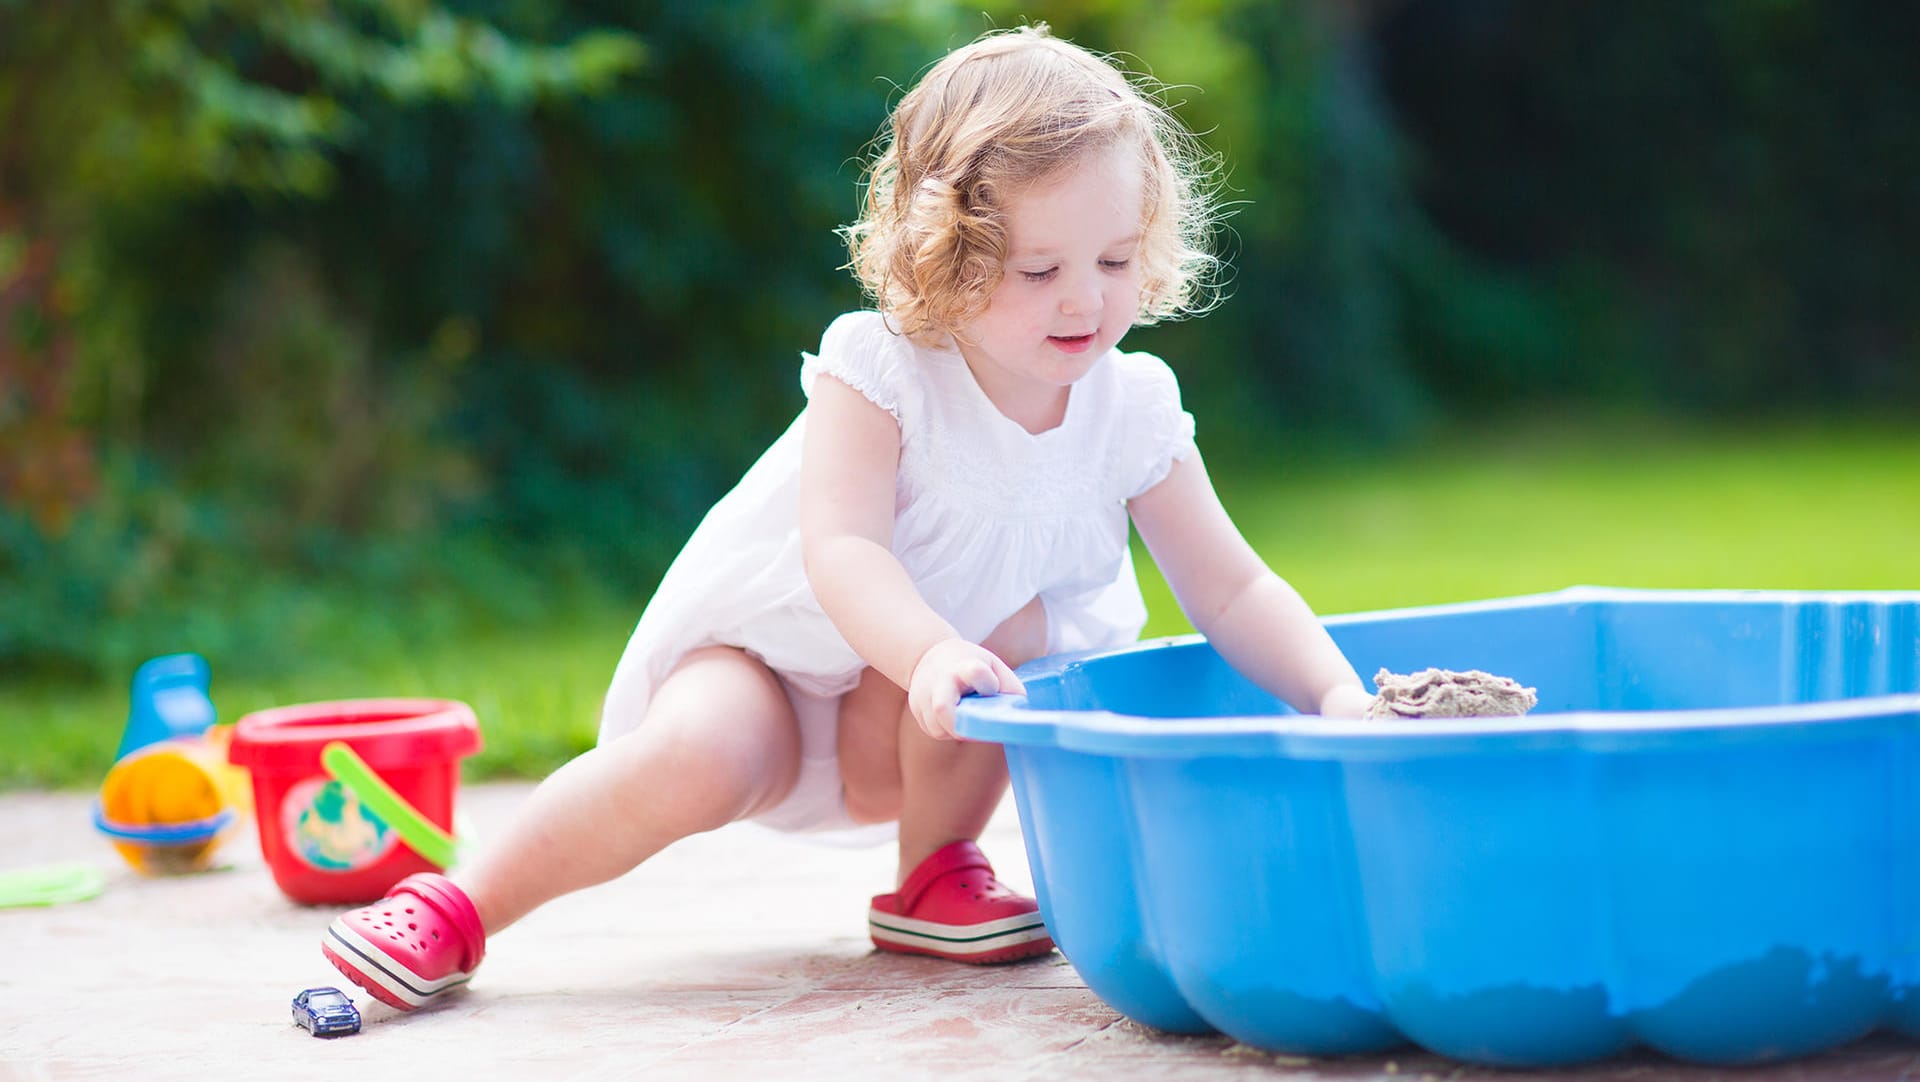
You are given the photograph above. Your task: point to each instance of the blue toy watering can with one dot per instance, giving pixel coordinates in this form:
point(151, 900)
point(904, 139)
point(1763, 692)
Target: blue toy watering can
point(170, 702)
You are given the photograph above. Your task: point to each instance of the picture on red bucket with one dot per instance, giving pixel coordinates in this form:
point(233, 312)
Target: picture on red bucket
point(323, 842)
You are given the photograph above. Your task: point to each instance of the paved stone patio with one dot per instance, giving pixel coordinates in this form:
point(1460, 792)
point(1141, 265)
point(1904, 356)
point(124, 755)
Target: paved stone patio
point(734, 955)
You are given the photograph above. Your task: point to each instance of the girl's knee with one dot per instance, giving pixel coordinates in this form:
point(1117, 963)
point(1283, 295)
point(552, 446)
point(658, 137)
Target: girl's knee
point(1021, 637)
point(869, 748)
point(711, 775)
point(720, 728)
point(873, 805)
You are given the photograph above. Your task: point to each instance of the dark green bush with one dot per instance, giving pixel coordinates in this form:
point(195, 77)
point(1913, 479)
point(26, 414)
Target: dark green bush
point(334, 325)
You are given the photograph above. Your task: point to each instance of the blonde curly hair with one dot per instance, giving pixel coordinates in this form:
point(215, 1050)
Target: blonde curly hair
point(988, 121)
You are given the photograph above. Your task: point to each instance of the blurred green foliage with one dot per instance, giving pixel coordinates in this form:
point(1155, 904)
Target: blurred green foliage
point(335, 325)
point(1608, 501)
point(1711, 205)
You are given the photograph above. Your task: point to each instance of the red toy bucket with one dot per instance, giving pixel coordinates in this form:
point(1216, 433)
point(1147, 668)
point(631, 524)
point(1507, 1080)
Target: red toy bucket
point(324, 847)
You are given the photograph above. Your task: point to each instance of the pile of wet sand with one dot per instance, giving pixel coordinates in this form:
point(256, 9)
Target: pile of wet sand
point(1443, 693)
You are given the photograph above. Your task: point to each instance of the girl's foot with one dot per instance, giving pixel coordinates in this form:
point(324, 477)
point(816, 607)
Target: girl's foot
point(418, 943)
point(952, 907)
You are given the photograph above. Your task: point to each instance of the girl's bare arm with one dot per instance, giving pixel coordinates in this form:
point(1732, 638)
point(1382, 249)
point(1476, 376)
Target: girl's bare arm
point(847, 472)
point(1257, 622)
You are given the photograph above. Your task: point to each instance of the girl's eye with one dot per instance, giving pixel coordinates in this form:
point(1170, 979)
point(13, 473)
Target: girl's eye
point(1038, 276)
point(1115, 264)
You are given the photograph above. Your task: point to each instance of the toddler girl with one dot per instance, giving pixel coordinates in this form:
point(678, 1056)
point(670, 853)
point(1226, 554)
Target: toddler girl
point(952, 502)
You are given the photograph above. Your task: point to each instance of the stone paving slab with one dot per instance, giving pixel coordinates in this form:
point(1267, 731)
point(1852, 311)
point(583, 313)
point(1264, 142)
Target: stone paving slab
point(735, 955)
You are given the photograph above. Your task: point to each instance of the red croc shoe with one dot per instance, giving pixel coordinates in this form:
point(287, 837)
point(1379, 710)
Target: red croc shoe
point(952, 907)
point(418, 943)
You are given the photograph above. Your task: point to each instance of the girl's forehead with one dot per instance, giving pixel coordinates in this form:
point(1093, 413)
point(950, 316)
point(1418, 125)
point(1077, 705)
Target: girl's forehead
point(1101, 198)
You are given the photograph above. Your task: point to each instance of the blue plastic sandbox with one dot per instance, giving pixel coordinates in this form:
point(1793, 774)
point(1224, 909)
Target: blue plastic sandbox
point(1703, 840)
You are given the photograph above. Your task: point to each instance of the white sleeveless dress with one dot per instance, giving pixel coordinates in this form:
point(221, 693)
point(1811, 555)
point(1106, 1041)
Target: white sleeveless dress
point(987, 517)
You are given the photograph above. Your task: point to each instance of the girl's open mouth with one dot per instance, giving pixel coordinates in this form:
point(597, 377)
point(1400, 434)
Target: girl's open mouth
point(1071, 344)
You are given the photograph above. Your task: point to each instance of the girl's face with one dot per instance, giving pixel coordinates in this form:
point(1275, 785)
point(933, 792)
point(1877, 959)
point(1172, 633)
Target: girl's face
point(1071, 284)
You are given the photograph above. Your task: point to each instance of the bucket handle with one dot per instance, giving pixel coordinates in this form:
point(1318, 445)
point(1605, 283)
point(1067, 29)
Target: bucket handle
point(427, 839)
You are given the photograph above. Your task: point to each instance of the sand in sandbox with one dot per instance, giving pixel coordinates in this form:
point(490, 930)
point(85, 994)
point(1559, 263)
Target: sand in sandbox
point(1443, 693)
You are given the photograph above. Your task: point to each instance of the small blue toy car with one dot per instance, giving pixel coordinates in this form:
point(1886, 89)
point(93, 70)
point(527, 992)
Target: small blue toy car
point(325, 1012)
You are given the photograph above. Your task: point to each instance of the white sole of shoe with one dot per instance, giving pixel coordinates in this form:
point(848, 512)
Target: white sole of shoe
point(956, 939)
point(378, 967)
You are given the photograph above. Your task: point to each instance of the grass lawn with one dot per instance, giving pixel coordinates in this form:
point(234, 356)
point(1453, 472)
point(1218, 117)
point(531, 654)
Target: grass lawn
point(1832, 507)
point(1483, 515)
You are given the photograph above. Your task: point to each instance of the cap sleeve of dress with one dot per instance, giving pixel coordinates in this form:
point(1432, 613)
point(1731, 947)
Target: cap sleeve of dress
point(1159, 432)
point(859, 351)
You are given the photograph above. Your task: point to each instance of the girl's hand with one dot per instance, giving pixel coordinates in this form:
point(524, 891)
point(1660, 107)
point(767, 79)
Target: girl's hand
point(948, 670)
point(1345, 701)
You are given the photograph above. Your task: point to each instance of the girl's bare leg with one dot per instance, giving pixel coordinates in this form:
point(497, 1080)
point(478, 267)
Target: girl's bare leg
point(869, 748)
point(949, 788)
point(719, 743)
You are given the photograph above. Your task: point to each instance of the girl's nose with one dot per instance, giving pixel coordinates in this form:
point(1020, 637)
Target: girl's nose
point(1082, 297)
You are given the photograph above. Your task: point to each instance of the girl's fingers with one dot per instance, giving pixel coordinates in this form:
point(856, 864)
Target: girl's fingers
point(933, 704)
point(939, 722)
point(1009, 682)
point(936, 714)
point(983, 676)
